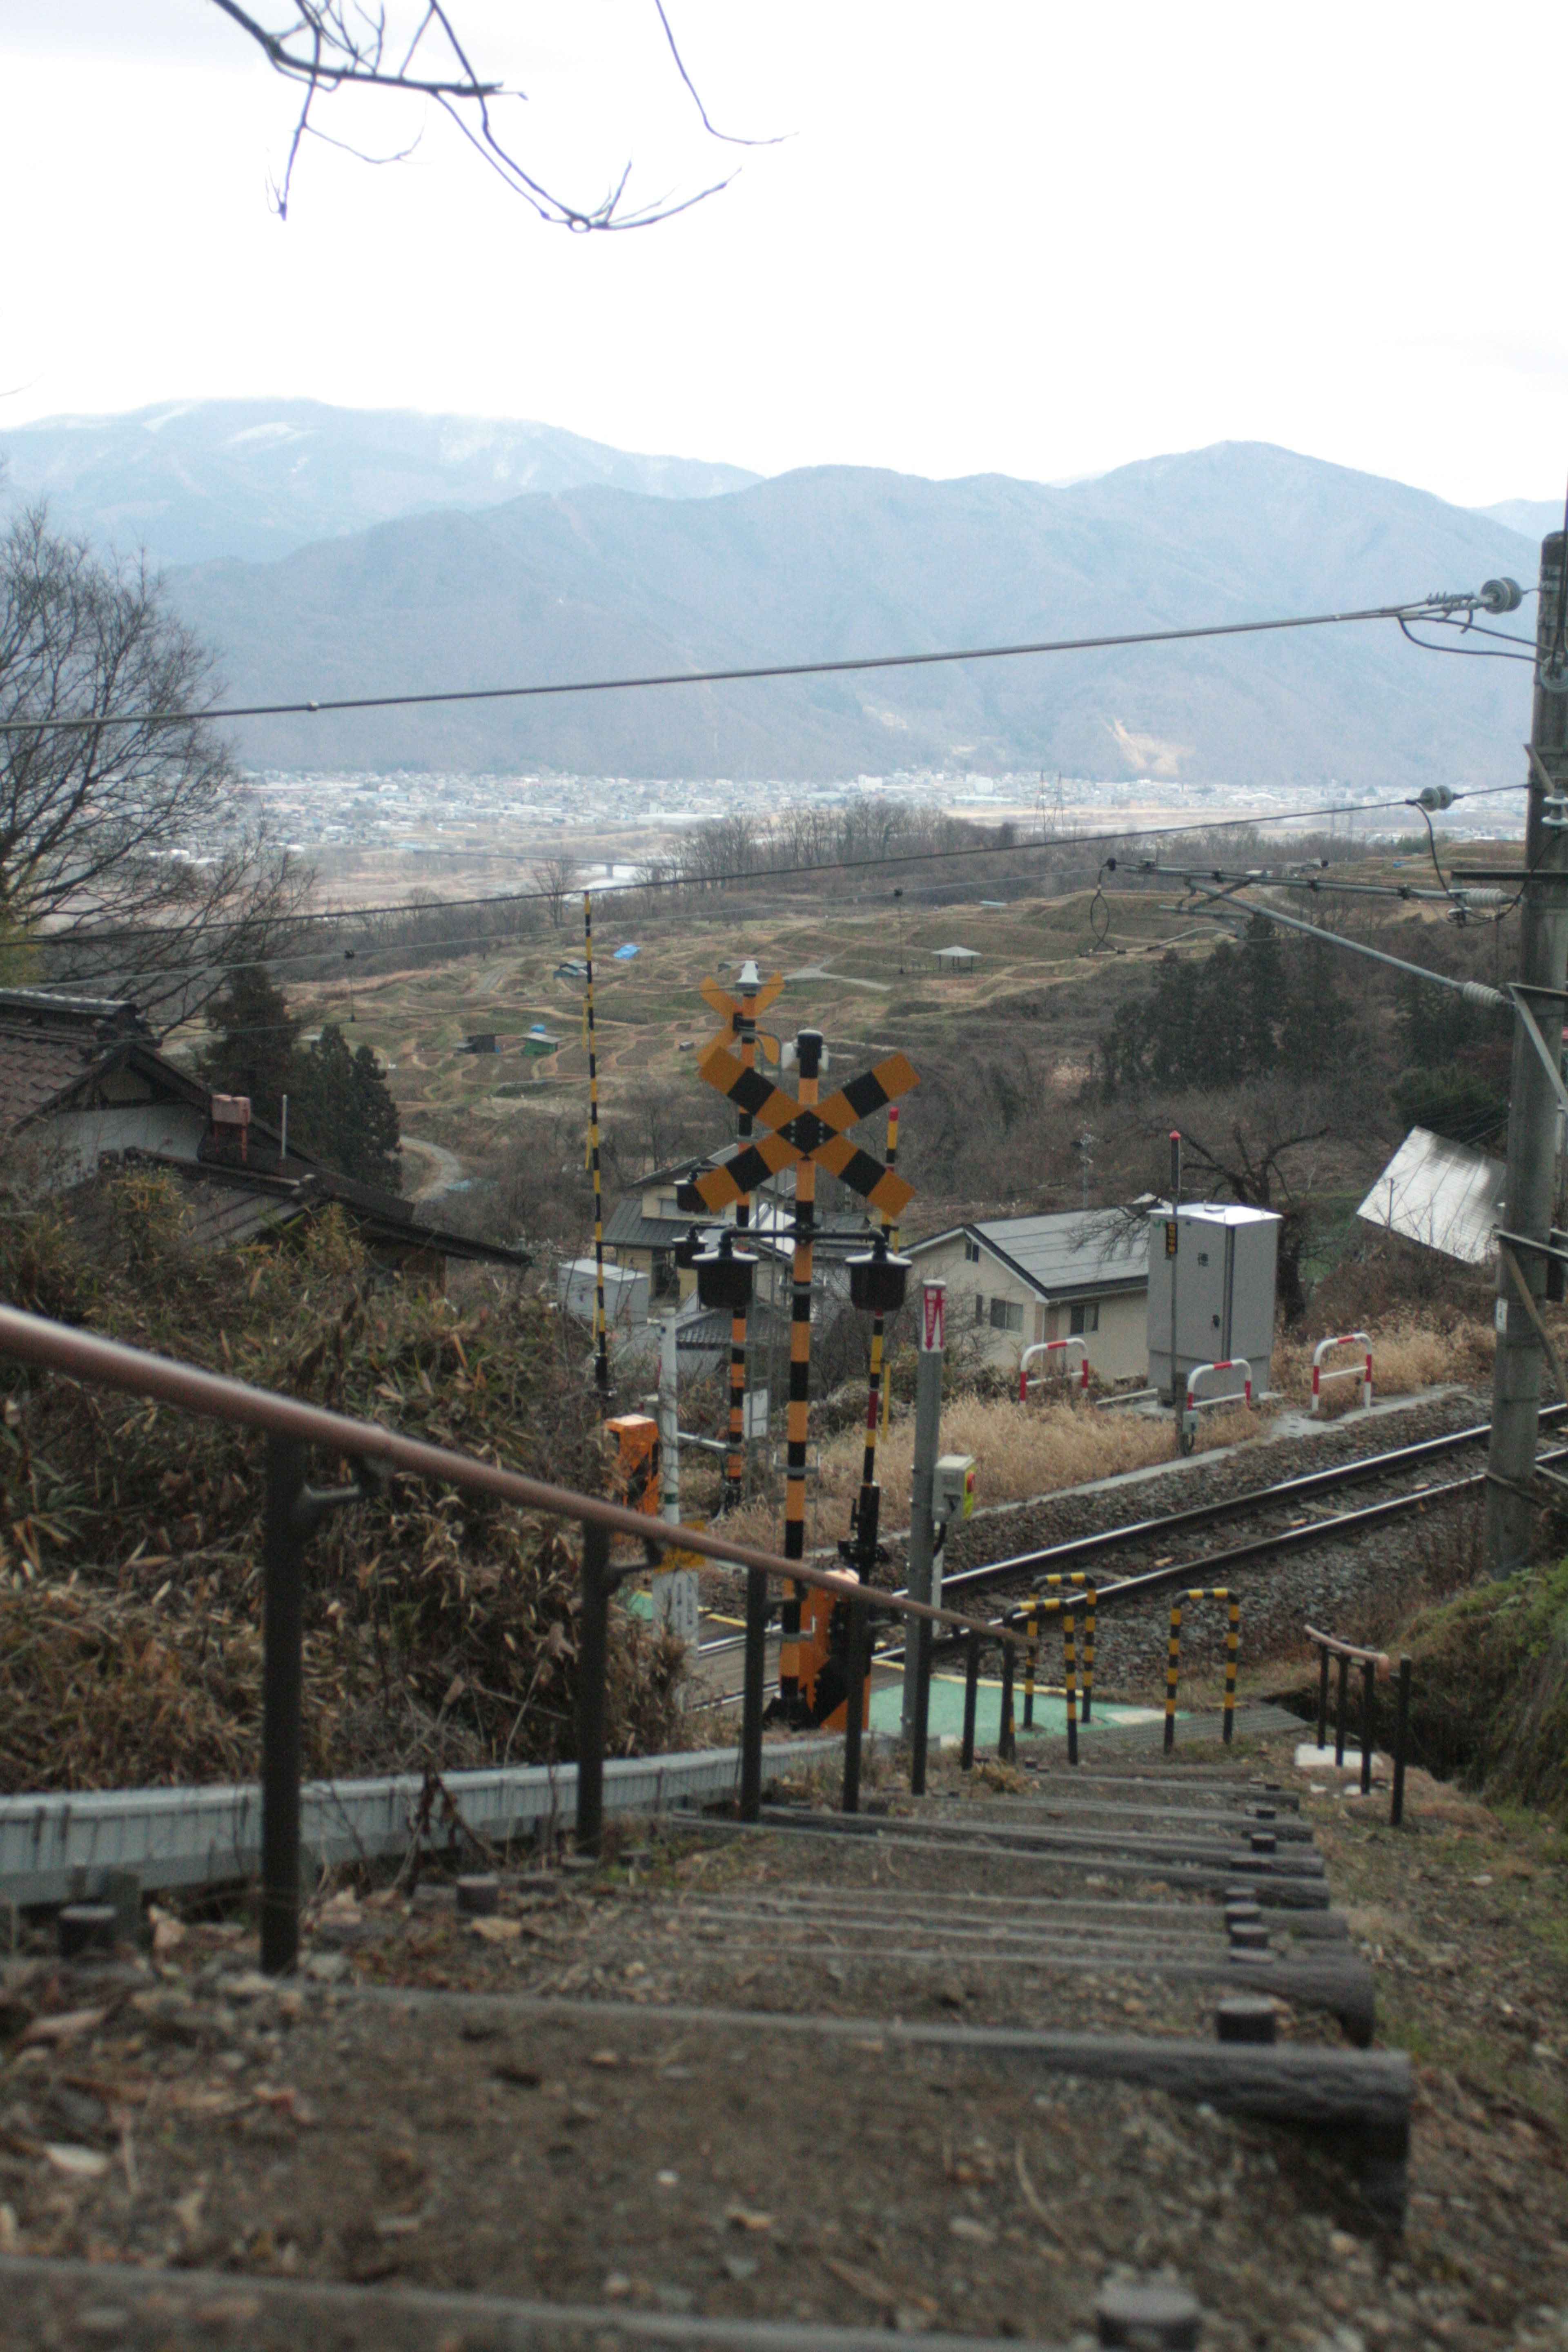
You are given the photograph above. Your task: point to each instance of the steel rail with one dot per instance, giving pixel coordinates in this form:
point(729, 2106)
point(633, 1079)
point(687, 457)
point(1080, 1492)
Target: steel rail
point(1161, 1579)
point(1174, 1523)
point(109, 1363)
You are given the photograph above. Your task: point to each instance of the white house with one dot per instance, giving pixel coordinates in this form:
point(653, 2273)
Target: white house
point(1081, 1273)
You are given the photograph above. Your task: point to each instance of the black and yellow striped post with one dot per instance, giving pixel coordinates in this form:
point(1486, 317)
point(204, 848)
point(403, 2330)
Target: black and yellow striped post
point(1232, 1646)
point(808, 1056)
point(1006, 1732)
point(1069, 1677)
point(1086, 1585)
point(735, 1461)
point(1172, 1670)
point(877, 1405)
point(1031, 1627)
point(601, 1332)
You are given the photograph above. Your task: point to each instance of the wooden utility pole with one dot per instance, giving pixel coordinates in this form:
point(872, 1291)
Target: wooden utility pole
point(1540, 1006)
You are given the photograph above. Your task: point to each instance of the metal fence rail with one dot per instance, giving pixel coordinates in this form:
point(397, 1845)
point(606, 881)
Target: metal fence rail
point(293, 1507)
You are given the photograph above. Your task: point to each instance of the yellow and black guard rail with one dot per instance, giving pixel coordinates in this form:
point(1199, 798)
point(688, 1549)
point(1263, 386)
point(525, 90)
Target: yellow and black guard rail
point(1173, 1656)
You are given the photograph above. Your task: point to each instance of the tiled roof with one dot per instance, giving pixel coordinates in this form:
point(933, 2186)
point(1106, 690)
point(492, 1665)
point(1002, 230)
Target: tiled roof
point(36, 1065)
point(1075, 1251)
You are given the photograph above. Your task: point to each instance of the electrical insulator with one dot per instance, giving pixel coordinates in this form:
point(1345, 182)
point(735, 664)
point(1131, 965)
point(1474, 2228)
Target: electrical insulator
point(1503, 595)
point(1436, 797)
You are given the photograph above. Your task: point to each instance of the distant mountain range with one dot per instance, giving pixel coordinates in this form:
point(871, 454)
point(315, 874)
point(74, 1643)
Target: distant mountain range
point(254, 478)
point(604, 582)
point(1533, 517)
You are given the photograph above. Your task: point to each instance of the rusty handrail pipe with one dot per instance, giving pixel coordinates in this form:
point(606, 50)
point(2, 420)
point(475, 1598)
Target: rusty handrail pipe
point(1378, 1658)
point(293, 1508)
point(1372, 1663)
point(110, 1364)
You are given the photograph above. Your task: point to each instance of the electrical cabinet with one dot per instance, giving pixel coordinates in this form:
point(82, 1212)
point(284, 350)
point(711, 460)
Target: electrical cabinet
point(1211, 1271)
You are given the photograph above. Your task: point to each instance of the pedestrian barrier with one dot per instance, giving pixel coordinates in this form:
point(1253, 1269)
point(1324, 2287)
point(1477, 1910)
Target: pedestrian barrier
point(293, 1508)
point(1194, 1404)
point(1361, 1339)
point(1028, 1617)
point(1046, 1583)
point(1372, 1663)
point(1050, 1348)
point(1173, 1657)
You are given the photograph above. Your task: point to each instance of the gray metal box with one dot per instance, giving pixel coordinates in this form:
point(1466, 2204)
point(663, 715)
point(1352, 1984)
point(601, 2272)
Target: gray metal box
point(1218, 1282)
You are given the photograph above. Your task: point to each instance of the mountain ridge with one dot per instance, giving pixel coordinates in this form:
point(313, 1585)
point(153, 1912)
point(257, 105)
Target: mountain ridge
point(835, 561)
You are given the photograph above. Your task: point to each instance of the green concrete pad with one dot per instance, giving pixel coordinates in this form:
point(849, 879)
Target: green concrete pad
point(946, 1717)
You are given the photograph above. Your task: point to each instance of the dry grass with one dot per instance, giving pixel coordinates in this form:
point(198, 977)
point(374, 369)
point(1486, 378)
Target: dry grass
point(1024, 1452)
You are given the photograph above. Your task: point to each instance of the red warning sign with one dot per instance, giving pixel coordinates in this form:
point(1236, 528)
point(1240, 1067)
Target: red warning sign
point(934, 1296)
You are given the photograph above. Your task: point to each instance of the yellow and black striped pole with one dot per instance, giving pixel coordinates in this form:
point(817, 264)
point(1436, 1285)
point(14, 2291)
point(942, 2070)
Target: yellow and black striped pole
point(1069, 1677)
point(735, 1461)
point(808, 1055)
point(601, 1334)
point(877, 1406)
point(1172, 1668)
point(1090, 1596)
point(1031, 1627)
point(1232, 1644)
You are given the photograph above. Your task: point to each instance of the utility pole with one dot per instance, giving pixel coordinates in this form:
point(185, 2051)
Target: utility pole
point(1532, 1112)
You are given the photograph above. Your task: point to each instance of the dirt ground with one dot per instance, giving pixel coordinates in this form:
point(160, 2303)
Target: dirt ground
point(552, 2135)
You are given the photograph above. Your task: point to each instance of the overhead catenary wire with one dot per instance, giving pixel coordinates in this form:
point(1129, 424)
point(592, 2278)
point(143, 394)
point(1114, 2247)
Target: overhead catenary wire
point(1431, 609)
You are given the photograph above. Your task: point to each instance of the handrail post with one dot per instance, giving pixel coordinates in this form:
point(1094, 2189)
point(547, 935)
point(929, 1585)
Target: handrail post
point(1401, 1743)
point(921, 1728)
point(1340, 1711)
point(1172, 1668)
point(854, 1705)
point(970, 1702)
point(1030, 1656)
point(592, 1665)
point(1322, 1699)
point(1088, 1649)
point(1006, 1738)
point(754, 1675)
point(282, 1677)
point(1368, 1723)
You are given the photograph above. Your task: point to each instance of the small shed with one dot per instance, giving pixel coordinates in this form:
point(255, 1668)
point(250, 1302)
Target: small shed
point(956, 959)
point(539, 1040)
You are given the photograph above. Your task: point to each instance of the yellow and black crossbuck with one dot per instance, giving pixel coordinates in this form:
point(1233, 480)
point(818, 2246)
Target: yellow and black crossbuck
point(794, 1134)
point(737, 1010)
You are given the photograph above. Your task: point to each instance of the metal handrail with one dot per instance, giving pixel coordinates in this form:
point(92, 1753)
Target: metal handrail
point(1372, 1663)
point(109, 1363)
point(293, 1508)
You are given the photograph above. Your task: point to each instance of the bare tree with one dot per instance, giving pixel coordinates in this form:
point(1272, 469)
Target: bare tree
point(125, 847)
point(328, 46)
point(555, 878)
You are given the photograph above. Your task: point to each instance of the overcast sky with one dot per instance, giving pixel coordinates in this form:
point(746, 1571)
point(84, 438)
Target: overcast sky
point(1032, 239)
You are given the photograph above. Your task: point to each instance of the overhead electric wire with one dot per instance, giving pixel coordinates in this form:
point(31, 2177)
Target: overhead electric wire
point(1414, 608)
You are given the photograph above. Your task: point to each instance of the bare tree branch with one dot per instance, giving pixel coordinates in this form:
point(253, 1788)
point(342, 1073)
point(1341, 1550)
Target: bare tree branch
point(327, 47)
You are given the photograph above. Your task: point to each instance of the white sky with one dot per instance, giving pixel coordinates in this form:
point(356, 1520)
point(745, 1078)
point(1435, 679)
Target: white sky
point(1036, 238)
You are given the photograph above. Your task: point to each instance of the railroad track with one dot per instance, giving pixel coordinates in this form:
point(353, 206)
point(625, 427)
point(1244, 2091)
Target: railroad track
point(1016, 1575)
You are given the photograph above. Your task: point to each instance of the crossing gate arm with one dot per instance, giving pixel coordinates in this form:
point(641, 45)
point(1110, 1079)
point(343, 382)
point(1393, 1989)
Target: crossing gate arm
point(1047, 1347)
point(1361, 1339)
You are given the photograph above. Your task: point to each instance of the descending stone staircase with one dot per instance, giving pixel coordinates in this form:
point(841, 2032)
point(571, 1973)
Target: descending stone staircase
point(949, 2066)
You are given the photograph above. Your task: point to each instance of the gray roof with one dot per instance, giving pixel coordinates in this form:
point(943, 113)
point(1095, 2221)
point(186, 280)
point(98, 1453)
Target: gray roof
point(1066, 1255)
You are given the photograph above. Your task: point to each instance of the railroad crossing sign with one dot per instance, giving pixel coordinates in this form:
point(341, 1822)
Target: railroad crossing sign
point(817, 1135)
point(736, 1011)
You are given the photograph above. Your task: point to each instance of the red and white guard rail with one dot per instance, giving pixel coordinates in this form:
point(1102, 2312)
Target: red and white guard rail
point(1361, 1339)
point(1194, 1402)
point(1047, 1347)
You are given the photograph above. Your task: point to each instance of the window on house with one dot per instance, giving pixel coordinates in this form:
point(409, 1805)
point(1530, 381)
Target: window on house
point(979, 1306)
point(1007, 1314)
point(972, 1253)
point(1083, 1316)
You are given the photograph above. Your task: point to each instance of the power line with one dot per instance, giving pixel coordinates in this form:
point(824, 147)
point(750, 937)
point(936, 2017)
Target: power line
point(407, 913)
point(1436, 608)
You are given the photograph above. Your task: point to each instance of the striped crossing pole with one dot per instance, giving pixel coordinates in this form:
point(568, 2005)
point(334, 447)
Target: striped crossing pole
point(1069, 1676)
point(601, 1334)
point(877, 1405)
point(808, 1056)
point(735, 1464)
point(1232, 1644)
point(1172, 1667)
point(1031, 1627)
point(1086, 1585)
